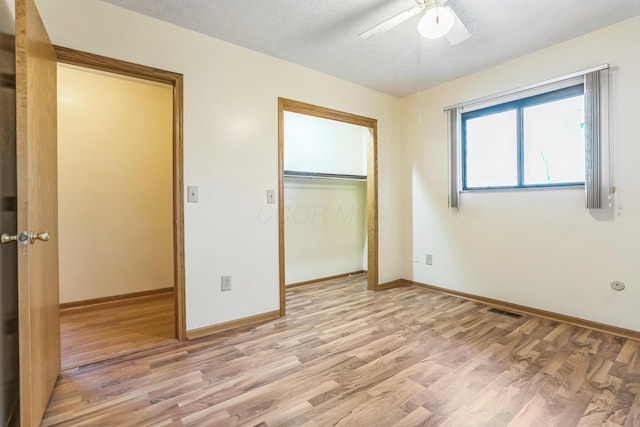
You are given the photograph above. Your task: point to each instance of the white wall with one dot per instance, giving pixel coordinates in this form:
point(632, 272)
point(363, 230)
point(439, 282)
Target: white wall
point(325, 228)
point(115, 163)
point(230, 135)
point(325, 219)
point(315, 144)
point(538, 248)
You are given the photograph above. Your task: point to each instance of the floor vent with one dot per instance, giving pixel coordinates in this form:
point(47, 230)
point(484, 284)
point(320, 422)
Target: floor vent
point(505, 313)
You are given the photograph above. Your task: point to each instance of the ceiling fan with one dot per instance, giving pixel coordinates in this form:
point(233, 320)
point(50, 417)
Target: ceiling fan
point(439, 20)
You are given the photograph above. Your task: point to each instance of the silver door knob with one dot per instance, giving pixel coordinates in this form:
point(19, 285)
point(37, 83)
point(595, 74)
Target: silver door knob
point(39, 236)
point(22, 238)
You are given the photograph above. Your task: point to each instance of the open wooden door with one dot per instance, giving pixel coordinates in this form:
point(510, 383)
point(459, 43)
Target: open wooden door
point(38, 301)
point(8, 223)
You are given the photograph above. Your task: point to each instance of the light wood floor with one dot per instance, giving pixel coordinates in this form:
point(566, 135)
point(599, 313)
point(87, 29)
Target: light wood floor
point(349, 357)
point(99, 332)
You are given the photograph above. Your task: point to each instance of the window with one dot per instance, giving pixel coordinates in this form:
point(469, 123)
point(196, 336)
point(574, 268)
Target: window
point(549, 134)
point(537, 141)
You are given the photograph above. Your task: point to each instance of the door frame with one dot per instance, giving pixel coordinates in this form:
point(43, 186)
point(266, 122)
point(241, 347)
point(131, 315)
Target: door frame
point(285, 104)
point(176, 80)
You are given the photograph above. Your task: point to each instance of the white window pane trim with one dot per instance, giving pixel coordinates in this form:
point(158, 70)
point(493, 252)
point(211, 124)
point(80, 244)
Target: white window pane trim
point(554, 133)
point(490, 141)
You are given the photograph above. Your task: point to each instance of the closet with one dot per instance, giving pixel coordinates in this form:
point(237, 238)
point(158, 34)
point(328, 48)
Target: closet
point(325, 198)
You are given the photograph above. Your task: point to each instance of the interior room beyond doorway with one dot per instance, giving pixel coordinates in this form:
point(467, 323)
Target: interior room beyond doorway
point(115, 174)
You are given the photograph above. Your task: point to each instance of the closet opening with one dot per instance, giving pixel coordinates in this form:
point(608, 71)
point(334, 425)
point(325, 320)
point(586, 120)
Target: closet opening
point(327, 195)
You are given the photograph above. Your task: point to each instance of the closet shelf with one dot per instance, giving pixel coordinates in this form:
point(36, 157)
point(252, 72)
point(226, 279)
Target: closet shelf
point(321, 175)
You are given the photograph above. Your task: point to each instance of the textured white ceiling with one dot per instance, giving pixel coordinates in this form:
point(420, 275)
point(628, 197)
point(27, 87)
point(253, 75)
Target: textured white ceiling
point(323, 34)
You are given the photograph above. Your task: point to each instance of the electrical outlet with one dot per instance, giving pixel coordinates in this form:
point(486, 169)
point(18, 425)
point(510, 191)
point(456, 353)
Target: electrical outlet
point(428, 259)
point(225, 283)
point(416, 258)
point(617, 285)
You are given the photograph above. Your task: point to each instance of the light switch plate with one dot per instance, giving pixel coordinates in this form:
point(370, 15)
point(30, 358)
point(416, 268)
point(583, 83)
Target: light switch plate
point(225, 283)
point(192, 194)
point(271, 197)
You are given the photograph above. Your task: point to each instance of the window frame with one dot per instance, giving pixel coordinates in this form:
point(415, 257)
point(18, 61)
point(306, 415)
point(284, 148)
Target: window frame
point(518, 105)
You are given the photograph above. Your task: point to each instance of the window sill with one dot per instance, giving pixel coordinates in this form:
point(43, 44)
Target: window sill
point(494, 190)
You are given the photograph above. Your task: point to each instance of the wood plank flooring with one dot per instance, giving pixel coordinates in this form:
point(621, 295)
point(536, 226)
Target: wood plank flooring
point(102, 331)
point(346, 356)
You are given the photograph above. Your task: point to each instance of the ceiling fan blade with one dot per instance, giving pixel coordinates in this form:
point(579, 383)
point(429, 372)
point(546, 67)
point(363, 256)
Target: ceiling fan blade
point(391, 22)
point(458, 32)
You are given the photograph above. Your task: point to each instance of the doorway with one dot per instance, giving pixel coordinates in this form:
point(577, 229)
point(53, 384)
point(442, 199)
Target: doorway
point(122, 264)
point(286, 106)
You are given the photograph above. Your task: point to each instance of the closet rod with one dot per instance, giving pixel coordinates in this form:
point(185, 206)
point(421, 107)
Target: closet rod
point(322, 175)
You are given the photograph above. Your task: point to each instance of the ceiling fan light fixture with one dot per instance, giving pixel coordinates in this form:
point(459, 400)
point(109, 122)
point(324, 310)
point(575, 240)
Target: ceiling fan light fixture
point(436, 23)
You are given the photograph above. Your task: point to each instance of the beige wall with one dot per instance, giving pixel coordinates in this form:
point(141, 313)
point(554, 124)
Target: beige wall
point(539, 248)
point(231, 148)
point(115, 185)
